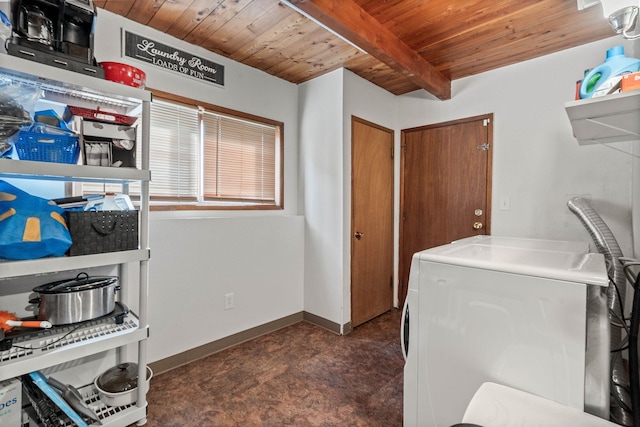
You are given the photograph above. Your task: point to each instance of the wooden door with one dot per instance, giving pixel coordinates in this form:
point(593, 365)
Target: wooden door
point(445, 186)
point(371, 220)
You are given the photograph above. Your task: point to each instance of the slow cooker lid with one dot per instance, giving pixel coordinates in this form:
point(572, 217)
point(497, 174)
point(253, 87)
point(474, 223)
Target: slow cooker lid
point(122, 377)
point(81, 282)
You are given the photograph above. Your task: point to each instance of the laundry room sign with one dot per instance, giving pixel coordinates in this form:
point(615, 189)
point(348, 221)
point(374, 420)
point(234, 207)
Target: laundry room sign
point(166, 57)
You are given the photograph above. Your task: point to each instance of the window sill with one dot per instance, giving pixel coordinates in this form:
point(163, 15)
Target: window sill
point(169, 207)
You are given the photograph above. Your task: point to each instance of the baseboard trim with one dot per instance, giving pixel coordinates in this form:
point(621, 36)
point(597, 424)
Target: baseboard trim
point(322, 322)
point(347, 328)
point(196, 353)
point(205, 350)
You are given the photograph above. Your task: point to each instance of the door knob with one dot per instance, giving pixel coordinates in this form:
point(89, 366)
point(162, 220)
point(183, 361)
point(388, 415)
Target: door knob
point(477, 225)
point(358, 235)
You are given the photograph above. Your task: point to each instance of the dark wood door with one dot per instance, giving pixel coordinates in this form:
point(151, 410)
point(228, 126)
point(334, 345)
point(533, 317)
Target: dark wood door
point(371, 221)
point(445, 186)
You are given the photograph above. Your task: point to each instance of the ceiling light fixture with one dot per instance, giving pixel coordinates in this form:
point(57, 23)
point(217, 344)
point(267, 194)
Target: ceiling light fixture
point(306, 15)
point(622, 15)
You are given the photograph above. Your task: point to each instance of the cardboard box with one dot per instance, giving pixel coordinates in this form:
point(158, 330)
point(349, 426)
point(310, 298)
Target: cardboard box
point(611, 85)
point(11, 403)
point(631, 82)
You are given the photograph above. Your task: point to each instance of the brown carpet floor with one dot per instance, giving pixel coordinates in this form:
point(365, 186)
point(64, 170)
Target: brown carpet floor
point(301, 375)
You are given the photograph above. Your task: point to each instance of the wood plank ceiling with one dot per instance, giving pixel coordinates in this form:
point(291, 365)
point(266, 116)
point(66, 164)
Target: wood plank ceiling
point(410, 44)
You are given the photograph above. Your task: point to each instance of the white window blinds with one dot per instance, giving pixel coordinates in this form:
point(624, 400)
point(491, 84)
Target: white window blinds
point(173, 147)
point(239, 159)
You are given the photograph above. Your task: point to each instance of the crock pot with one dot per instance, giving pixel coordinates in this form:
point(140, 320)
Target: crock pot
point(76, 300)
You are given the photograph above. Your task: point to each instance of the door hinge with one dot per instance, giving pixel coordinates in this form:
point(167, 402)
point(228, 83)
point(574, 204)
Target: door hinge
point(392, 151)
point(391, 282)
point(485, 122)
point(483, 147)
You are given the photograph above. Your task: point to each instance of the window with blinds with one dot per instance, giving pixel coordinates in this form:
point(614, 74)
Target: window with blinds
point(202, 157)
point(239, 159)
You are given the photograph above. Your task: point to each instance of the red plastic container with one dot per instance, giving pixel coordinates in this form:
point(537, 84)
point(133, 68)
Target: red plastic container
point(124, 73)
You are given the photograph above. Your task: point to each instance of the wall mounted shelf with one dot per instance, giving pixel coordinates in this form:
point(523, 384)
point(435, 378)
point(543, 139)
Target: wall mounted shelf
point(607, 119)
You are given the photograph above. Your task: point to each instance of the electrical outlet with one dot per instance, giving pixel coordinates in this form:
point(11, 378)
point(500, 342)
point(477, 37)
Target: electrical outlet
point(505, 203)
point(228, 301)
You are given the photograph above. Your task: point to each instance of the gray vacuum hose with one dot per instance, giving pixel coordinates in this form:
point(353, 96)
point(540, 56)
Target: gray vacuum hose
point(606, 244)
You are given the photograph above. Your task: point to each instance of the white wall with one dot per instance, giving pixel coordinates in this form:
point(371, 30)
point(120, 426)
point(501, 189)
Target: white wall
point(325, 162)
point(537, 163)
point(323, 185)
point(199, 256)
point(196, 261)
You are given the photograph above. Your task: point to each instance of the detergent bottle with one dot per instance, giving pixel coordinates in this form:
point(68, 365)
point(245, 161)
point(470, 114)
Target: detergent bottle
point(615, 64)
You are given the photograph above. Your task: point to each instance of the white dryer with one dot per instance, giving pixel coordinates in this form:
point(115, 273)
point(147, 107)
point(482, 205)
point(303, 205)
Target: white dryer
point(525, 313)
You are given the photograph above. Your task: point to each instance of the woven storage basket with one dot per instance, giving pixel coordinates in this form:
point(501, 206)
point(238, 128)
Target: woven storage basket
point(94, 232)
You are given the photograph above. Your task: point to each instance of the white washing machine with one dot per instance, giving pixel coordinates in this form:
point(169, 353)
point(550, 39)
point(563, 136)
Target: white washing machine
point(524, 313)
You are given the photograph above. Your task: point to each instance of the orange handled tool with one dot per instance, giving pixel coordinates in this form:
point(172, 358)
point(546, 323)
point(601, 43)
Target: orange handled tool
point(9, 320)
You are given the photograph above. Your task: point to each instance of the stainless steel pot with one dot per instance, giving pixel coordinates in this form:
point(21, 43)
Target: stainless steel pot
point(76, 300)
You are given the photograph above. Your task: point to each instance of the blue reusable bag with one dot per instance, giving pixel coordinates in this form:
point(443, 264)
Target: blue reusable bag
point(30, 227)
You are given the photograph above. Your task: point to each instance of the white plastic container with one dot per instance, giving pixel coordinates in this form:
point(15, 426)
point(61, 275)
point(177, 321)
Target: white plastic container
point(119, 202)
point(11, 403)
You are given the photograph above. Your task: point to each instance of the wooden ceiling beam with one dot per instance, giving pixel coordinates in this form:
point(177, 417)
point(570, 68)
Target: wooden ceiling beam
point(347, 18)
